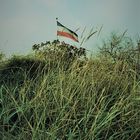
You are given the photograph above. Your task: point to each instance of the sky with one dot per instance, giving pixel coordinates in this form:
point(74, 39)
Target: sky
point(27, 22)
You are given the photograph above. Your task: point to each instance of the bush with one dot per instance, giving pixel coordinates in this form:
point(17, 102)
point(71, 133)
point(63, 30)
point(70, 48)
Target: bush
point(120, 47)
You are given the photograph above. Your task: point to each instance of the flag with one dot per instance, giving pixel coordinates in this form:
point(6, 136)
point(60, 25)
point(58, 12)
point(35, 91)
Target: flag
point(64, 31)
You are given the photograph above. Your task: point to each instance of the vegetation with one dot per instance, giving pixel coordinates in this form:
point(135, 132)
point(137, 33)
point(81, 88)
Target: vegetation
point(59, 50)
point(72, 99)
point(1, 56)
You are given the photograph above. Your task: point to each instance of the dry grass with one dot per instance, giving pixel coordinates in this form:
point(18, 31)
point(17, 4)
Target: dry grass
point(96, 100)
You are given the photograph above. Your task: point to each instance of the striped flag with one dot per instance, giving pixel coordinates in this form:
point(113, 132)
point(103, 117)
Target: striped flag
point(64, 31)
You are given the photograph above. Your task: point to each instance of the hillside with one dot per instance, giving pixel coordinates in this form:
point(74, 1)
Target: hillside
point(54, 99)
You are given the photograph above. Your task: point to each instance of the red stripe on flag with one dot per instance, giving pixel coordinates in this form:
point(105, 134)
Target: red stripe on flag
point(67, 35)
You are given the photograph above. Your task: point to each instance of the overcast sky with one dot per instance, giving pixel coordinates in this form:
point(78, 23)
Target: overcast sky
point(26, 22)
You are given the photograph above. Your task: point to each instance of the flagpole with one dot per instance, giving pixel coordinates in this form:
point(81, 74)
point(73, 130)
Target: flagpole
point(57, 28)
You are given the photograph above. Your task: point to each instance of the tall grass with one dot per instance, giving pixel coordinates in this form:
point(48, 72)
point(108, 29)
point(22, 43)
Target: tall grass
point(95, 100)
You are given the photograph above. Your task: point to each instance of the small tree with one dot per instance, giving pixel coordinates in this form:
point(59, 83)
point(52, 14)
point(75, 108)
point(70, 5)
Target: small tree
point(119, 47)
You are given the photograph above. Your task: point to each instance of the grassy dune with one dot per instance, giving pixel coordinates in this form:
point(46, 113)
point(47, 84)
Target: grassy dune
point(96, 99)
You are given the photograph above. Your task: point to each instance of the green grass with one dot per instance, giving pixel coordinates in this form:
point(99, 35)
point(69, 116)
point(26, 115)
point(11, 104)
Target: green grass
point(95, 100)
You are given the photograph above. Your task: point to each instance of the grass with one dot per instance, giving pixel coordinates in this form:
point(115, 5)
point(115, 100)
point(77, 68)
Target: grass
point(95, 100)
